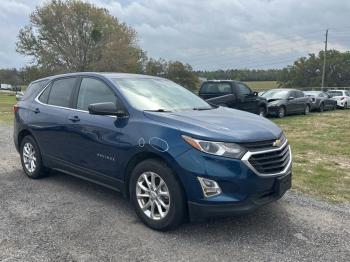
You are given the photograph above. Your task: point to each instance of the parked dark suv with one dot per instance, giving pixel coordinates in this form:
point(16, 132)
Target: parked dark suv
point(233, 94)
point(167, 150)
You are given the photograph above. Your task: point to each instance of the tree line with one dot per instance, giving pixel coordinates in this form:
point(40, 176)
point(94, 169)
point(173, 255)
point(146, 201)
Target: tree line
point(71, 35)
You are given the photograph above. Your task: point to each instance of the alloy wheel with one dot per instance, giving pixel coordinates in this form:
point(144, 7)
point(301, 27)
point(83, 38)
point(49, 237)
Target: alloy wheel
point(153, 195)
point(29, 157)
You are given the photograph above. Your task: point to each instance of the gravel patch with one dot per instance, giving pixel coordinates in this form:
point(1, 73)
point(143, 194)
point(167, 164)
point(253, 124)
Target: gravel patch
point(61, 218)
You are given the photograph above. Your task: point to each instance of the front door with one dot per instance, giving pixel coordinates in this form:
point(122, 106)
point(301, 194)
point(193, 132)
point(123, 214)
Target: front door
point(246, 99)
point(94, 139)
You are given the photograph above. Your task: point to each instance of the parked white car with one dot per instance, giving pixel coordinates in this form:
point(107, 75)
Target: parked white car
point(5, 87)
point(341, 96)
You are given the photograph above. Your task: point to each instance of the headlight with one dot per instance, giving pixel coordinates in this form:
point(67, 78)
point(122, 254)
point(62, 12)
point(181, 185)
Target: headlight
point(216, 148)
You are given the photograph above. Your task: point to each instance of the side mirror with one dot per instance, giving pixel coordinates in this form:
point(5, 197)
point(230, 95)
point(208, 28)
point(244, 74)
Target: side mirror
point(291, 98)
point(105, 109)
point(255, 93)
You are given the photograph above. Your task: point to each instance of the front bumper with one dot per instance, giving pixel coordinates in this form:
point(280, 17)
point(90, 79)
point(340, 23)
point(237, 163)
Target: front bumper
point(201, 212)
point(243, 189)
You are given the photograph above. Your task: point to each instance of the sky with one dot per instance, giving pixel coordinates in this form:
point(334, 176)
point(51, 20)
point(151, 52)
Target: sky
point(209, 34)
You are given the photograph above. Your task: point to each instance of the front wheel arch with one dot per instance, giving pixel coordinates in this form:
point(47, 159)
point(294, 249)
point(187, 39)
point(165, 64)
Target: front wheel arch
point(140, 157)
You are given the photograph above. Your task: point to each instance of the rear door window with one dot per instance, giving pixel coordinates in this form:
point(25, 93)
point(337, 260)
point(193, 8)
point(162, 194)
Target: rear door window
point(61, 92)
point(94, 91)
point(214, 88)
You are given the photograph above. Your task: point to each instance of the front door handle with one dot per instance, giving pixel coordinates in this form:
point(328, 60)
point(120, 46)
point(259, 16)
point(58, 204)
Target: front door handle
point(36, 110)
point(74, 118)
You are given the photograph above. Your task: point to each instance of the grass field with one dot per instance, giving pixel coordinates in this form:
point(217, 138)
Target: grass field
point(6, 104)
point(262, 85)
point(320, 144)
point(321, 153)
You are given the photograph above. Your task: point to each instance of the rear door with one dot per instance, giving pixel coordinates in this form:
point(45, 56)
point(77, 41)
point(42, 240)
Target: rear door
point(49, 117)
point(94, 138)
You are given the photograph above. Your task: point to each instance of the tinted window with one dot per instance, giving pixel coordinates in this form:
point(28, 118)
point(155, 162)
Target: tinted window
point(61, 92)
point(45, 95)
point(93, 91)
point(299, 94)
point(243, 89)
point(335, 93)
point(33, 89)
point(347, 93)
point(224, 88)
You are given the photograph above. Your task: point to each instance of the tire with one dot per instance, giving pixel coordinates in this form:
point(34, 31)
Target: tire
point(172, 206)
point(281, 112)
point(262, 111)
point(346, 105)
point(307, 110)
point(321, 109)
point(31, 158)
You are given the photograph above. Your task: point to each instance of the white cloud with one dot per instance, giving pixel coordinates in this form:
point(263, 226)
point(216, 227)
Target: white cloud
point(216, 34)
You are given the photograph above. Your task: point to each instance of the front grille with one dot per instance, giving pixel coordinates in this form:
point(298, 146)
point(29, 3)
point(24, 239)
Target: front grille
point(262, 145)
point(271, 162)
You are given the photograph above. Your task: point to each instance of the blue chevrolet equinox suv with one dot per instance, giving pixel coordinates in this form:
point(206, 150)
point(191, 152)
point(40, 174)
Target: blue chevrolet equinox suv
point(175, 156)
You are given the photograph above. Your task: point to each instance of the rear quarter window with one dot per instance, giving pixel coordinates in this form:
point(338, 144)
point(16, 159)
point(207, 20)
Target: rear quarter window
point(34, 89)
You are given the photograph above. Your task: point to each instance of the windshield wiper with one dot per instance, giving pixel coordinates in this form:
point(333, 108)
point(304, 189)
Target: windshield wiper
point(202, 108)
point(159, 110)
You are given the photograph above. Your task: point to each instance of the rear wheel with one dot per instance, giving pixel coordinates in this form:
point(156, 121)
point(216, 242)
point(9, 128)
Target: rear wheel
point(281, 112)
point(346, 105)
point(31, 158)
point(157, 195)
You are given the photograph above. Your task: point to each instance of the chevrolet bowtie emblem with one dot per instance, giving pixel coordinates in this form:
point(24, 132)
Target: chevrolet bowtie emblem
point(277, 143)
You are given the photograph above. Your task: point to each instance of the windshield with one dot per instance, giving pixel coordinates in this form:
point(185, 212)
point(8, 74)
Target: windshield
point(156, 94)
point(276, 94)
point(335, 93)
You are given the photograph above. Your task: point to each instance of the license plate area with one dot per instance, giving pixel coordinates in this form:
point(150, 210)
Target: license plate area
point(283, 183)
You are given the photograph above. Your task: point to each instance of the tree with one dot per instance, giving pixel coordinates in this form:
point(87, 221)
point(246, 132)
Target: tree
point(73, 36)
point(307, 71)
point(182, 74)
point(10, 76)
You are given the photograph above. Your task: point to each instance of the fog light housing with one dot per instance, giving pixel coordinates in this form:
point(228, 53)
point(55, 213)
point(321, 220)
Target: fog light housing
point(210, 188)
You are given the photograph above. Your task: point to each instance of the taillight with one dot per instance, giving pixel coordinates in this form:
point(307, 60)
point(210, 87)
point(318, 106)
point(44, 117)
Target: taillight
point(15, 109)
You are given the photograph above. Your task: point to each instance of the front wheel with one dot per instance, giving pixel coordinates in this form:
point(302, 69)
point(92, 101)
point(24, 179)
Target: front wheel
point(262, 111)
point(157, 195)
point(281, 112)
point(321, 109)
point(307, 110)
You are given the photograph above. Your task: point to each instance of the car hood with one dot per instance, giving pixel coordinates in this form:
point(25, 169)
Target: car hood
point(220, 124)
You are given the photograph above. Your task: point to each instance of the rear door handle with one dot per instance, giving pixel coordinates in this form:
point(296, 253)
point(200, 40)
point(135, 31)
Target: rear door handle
point(74, 118)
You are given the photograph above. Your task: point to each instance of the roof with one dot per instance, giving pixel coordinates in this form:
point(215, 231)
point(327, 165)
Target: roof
point(103, 74)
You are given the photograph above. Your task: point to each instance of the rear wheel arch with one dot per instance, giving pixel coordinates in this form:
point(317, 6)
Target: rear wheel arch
point(23, 134)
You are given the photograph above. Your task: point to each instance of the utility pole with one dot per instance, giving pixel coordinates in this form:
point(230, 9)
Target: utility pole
point(324, 60)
